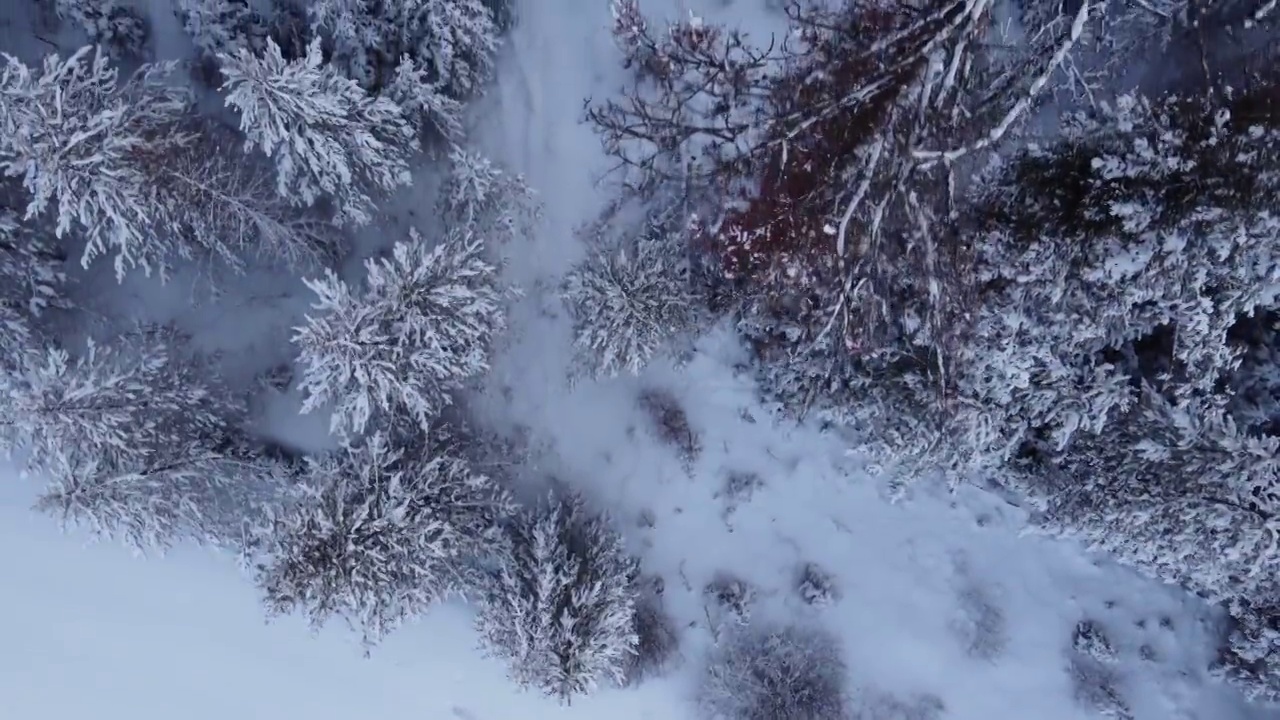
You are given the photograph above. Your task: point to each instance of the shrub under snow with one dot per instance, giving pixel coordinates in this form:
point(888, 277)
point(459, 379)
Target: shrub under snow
point(776, 673)
point(562, 611)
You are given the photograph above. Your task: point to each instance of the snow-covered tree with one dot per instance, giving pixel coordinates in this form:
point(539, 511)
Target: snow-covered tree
point(1120, 354)
point(131, 168)
point(420, 328)
point(111, 23)
point(419, 97)
point(630, 297)
point(220, 27)
point(482, 198)
point(31, 275)
point(562, 609)
point(81, 142)
point(114, 404)
point(201, 488)
point(776, 673)
point(377, 534)
point(218, 200)
point(327, 135)
point(453, 40)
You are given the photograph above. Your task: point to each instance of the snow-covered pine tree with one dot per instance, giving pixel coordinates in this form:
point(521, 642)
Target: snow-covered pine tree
point(219, 200)
point(130, 167)
point(562, 609)
point(201, 487)
point(220, 27)
point(31, 275)
point(377, 534)
point(630, 297)
point(1098, 252)
point(454, 41)
point(114, 404)
point(112, 24)
point(420, 328)
point(327, 135)
point(1124, 270)
point(482, 198)
point(80, 142)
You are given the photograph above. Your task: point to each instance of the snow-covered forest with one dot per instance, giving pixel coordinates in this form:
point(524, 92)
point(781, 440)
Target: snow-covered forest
point(706, 359)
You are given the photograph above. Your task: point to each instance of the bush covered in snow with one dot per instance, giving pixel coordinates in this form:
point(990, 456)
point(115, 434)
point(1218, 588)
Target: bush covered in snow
point(418, 330)
point(816, 586)
point(670, 424)
point(776, 673)
point(377, 533)
point(562, 610)
point(657, 637)
point(728, 599)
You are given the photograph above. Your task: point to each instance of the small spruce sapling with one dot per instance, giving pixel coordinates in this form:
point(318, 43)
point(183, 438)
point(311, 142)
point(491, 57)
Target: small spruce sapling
point(420, 329)
point(482, 197)
point(562, 609)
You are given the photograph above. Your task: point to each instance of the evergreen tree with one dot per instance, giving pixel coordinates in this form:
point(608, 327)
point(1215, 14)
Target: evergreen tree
point(201, 488)
point(80, 143)
point(562, 610)
point(220, 27)
point(328, 137)
point(454, 41)
point(629, 298)
point(377, 534)
point(419, 330)
point(116, 402)
point(109, 23)
point(484, 199)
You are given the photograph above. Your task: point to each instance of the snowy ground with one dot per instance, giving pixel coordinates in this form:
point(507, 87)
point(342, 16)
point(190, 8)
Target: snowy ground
point(940, 596)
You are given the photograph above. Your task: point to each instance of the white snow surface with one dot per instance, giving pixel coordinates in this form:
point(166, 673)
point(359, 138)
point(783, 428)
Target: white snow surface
point(88, 631)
